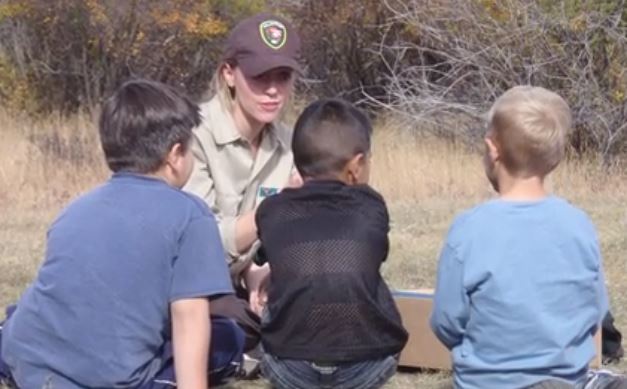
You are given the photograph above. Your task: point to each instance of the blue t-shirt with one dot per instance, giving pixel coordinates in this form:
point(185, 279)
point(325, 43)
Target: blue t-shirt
point(520, 293)
point(97, 314)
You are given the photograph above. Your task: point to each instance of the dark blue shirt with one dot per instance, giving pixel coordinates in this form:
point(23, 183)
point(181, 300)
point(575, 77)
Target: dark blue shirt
point(97, 314)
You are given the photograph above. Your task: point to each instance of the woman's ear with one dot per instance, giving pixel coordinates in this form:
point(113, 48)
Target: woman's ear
point(228, 73)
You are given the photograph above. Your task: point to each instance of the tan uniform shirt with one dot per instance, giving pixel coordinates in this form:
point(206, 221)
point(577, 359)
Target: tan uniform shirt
point(228, 178)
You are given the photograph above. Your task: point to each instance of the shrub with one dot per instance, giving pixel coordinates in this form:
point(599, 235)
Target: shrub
point(74, 52)
point(462, 54)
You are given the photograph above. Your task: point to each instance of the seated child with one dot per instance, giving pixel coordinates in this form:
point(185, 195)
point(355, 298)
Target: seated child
point(330, 320)
point(122, 298)
point(520, 289)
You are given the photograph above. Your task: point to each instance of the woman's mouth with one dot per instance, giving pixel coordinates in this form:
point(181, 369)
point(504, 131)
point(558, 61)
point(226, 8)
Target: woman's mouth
point(270, 107)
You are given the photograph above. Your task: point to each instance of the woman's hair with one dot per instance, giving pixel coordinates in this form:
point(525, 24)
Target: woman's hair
point(219, 88)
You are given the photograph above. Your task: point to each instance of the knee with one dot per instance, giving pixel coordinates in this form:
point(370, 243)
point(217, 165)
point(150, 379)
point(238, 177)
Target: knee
point(226, 335)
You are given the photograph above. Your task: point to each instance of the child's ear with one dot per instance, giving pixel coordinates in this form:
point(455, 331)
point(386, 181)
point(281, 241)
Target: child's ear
point(492, 149)
point(355, 167)
point(175, 155)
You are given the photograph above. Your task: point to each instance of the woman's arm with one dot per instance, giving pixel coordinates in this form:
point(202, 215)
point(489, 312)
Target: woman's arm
point(245, 231)
point(237, 233)
point(191, 328)
point(246, 228)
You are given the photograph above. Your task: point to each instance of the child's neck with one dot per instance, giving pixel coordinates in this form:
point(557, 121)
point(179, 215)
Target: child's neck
point(164, 174)
point(339, 177)
point(522, 189)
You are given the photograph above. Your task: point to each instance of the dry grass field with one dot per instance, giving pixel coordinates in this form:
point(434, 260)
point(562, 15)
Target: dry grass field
point(45, 164)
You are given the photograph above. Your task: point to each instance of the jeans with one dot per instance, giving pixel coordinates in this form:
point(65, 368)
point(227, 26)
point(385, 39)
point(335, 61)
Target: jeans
point(5, 373)
point(595, 379)
point(551, 384)
point(301, 374)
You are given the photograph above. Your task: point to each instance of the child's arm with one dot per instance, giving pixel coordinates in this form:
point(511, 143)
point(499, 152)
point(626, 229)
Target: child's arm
point(603, 300)
point(191, 328)
point(451, 303)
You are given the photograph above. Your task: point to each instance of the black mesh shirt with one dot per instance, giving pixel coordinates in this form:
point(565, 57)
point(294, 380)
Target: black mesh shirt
point(327, 301)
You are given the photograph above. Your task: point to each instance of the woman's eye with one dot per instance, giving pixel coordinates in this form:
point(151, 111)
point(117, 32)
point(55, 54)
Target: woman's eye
point(280, 76)
point(261, 78)
point(285, 76)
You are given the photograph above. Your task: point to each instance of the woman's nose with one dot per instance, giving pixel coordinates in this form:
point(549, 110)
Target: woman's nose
point(272, 88)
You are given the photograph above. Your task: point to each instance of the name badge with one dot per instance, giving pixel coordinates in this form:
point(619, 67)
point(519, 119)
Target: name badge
point(266, 191)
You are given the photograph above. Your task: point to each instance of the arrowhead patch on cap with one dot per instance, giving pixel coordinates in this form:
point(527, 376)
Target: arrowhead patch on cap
point(273, 33)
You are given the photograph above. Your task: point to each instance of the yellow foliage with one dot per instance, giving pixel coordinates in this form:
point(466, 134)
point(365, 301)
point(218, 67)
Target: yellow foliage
point(97, 12)
point(195, 22)
point(16, 93)
point(496, 9)
point(165, 18)
point(578, 23)
point(12, 9)
point(209, 27)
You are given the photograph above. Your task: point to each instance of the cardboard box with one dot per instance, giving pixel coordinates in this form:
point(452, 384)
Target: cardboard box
point(423, 349)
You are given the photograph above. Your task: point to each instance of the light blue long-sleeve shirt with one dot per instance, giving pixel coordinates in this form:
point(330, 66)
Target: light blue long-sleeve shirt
point(520, 293)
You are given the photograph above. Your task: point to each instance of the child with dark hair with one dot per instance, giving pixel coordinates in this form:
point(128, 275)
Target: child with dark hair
point(330, 320)
point(123, 296)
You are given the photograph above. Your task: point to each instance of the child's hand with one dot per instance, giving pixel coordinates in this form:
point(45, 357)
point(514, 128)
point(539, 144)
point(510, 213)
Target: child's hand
point(256, 281)
point(257, 300)
point(259, 297)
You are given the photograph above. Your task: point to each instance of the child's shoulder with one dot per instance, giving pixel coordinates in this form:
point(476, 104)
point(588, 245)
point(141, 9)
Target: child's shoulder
point(326, 196)
point(477, 214)
point(369, 193)
point(325, 191)
point(150, 199)
point(495, 212)
point(193, 202)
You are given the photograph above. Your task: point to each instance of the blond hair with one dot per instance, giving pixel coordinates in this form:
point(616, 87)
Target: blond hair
point(530, 126)
point(219, 88)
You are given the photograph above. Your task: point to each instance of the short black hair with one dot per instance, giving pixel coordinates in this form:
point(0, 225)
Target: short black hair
point(327, 135)
point(141, 123)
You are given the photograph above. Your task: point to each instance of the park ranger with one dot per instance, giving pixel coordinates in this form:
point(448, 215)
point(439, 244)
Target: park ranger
point(242, 151)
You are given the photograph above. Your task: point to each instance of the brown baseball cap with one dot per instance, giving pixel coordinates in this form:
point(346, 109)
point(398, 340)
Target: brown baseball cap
point(263, 42)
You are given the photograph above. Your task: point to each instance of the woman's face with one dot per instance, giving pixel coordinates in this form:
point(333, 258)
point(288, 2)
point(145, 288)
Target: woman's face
point(260, 98)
